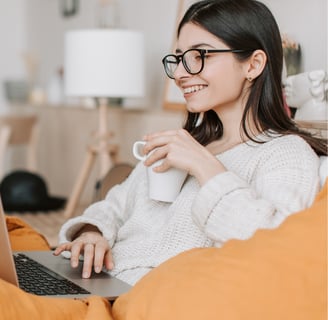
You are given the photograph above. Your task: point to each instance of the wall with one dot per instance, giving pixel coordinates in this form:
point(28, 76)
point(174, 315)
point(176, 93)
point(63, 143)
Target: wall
point(13, 39)
point(37, 26)
point(46, 28)
point(306, 22)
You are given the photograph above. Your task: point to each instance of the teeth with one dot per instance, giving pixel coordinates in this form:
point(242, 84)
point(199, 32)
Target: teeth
point(193, 89)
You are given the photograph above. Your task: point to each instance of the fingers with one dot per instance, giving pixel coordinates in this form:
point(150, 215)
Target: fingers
point(164, 138)
point(108, 260)
point(159, 139)
point(173, 147)
point(96, 253)
point(62, 247)
point(157, 154)
point(102, 257)
point(157, 146)
point(76, 249)
point(89, 253)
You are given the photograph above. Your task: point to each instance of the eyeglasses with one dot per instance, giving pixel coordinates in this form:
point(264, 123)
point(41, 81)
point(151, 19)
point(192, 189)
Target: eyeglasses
point(192, 60)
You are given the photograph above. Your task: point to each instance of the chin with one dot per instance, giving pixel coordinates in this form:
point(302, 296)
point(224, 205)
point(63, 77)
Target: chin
point(192, 110)
point(195, 108)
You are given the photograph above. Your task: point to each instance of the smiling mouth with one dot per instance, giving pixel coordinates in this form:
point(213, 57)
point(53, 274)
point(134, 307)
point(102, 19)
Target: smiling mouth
point(193, 89)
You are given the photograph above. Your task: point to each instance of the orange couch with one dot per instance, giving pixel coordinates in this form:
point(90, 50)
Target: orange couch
point(24, 237)
point(277, 274)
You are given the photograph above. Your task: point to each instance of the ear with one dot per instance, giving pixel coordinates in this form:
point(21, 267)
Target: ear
point(256, 64)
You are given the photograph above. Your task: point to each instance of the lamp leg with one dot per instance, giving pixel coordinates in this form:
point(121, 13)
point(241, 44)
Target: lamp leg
point(80, 183)
point(107, 155)
point(104, 156)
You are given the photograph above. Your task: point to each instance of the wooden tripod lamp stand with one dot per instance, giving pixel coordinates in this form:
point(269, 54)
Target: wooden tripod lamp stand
point(102, 64)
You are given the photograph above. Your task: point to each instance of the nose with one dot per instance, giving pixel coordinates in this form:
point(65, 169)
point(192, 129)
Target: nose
point(180, 72)
point(287, 84)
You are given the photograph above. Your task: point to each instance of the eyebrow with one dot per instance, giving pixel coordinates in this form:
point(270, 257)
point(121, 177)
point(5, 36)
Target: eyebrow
point(195, 46)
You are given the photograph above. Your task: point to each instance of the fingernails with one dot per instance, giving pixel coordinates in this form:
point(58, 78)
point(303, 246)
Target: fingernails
point(85, 274)
point(97, 269)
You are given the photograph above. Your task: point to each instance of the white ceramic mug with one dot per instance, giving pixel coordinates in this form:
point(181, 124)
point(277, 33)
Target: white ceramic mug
point(163, 186)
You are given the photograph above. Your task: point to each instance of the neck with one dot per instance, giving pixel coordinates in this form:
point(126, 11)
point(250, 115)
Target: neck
point(232, 131)
point(231, 120)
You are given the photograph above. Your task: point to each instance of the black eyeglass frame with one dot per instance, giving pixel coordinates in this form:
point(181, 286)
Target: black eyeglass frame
point(202, 53)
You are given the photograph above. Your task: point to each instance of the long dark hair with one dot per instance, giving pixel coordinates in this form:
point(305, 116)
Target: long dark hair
point(249, 25)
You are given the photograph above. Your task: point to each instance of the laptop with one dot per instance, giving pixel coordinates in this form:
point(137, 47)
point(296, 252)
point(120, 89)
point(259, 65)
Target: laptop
point(48, 275)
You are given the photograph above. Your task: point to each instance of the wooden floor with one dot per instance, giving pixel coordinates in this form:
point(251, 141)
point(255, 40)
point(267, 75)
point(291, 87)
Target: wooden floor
point(47, 223)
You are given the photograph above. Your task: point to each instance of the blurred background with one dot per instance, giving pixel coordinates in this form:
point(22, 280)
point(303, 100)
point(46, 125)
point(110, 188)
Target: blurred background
point(32, 35)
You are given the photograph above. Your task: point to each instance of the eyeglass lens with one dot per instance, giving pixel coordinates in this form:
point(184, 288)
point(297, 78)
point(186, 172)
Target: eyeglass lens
point(192, 61)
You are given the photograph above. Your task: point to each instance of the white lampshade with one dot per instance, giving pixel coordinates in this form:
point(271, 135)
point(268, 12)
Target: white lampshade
point(104, 63)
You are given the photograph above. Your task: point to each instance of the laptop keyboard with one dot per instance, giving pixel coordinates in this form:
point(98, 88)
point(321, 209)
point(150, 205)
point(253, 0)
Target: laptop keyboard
point(35, 278)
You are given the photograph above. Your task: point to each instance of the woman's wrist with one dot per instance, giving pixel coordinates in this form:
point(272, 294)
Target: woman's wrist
point(86, 228)
point(212, 168)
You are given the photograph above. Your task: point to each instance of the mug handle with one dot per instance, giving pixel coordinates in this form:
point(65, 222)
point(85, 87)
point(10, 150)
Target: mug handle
point(136, 150)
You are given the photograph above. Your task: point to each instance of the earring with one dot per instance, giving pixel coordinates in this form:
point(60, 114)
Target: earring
point(250, 79)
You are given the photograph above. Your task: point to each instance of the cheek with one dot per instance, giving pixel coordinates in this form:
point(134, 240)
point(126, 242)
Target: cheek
point(227, 86)
point(227, 77)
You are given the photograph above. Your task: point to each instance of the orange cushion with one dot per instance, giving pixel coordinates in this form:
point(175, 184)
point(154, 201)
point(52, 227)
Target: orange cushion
point(277, 274)
point(23, 237)
point(17, 304)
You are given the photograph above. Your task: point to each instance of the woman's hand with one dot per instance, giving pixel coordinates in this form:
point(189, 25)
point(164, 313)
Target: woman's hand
point(180, 150)
point(94, 248)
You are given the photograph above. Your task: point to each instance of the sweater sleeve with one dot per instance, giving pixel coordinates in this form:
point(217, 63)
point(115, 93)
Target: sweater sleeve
point(284, 180)
point(108, 214)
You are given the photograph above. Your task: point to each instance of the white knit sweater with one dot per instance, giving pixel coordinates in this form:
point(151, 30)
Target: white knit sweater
point(263, 185)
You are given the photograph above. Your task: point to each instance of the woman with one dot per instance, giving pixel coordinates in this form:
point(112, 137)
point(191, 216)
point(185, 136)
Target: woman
point(249, 166)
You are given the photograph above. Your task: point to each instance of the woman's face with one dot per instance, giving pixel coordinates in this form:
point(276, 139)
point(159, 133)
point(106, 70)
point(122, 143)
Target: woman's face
point(222, 83)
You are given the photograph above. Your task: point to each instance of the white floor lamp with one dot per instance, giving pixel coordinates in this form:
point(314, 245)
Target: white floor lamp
point(102, 64)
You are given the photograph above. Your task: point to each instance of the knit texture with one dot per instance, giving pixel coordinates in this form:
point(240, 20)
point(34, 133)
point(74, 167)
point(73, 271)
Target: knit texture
point(264, 184)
